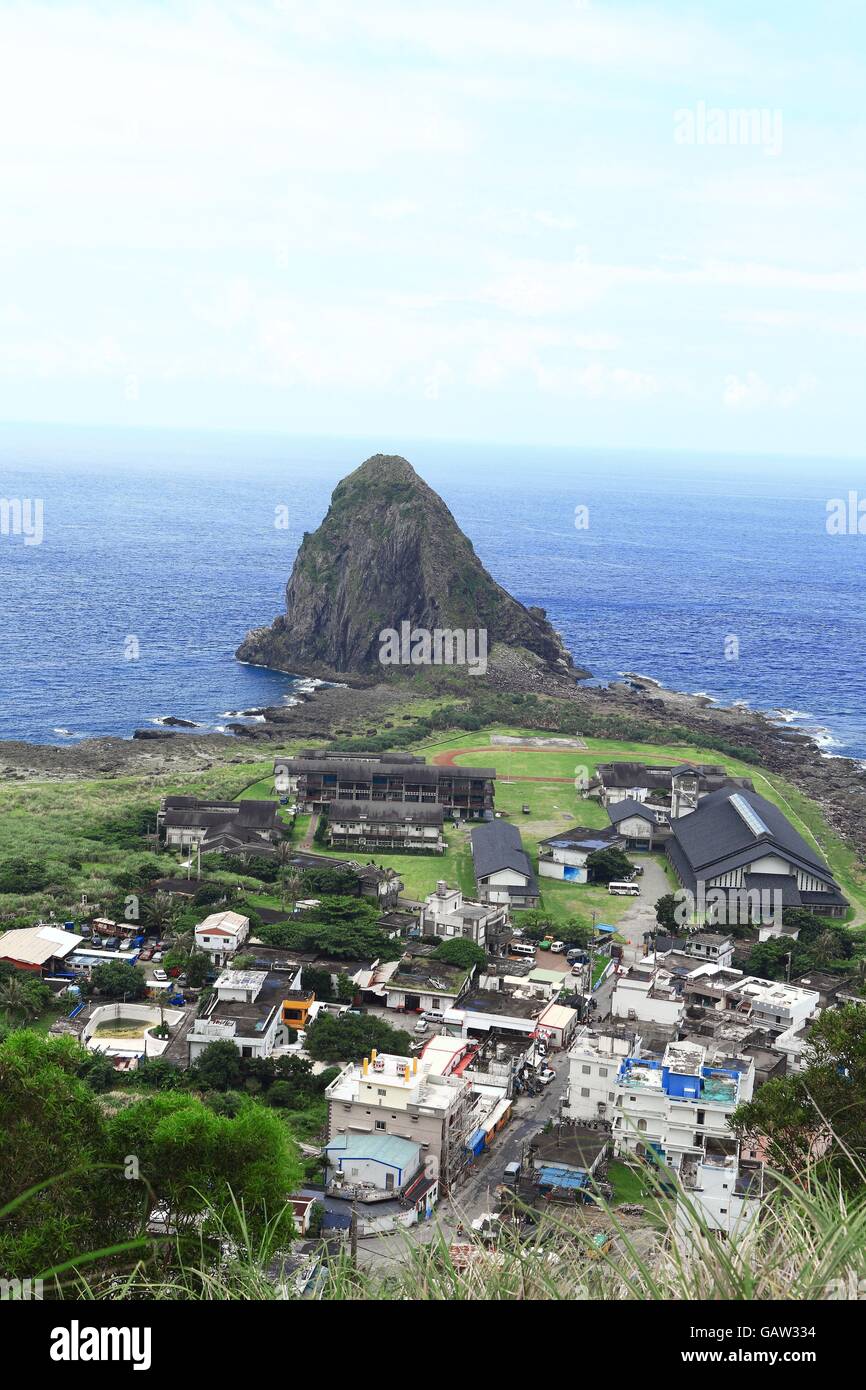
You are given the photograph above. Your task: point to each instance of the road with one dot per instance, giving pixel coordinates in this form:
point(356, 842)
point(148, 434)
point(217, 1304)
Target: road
point(475, 1194)
point(640, 915)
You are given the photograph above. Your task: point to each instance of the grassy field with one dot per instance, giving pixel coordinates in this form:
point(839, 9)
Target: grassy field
point(88, 832)
point(553, 796)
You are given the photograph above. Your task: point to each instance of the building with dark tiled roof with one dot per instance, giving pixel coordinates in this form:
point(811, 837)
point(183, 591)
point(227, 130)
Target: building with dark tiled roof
point(386, 825)
point(314, 782)
point(503, 869)
point(740, 847)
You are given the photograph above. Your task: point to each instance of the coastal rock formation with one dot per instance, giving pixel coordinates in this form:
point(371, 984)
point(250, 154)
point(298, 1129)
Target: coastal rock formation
point(390, 552)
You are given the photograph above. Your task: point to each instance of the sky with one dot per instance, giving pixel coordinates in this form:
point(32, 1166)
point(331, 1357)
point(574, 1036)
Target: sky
point(586, 224)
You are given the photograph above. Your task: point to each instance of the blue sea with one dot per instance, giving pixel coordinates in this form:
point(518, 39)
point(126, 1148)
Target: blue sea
point(160, 549)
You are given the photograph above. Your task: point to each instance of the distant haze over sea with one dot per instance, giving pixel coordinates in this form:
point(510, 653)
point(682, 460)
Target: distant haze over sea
point(168, 540)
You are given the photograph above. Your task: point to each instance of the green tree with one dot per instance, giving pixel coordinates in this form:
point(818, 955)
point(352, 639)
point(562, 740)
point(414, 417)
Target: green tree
point(817, 1114)
point(118, 978)
point(51, 1127)
point(349, 1037)
point(195, 1161)
point(536, 924)
point(607, 865)
point(219, 1066)
point(21, 874)
point(160, 912)
point(461, 952)
point(666, 910)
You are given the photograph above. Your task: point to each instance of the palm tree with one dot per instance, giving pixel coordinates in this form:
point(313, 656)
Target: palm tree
point(16, 1000)
point(284, 852)
point(160, 912)
point(290, 886)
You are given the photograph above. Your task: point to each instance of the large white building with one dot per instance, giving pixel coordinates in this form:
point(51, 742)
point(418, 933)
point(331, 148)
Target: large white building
point(676, 1109)
point(594, 1060)
point(447, 914)
point(407, 1097)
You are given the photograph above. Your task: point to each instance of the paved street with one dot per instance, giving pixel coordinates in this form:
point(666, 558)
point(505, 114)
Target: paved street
point(640, 915)
point(476, 1194)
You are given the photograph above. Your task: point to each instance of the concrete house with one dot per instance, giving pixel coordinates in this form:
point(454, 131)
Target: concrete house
point(368, 1164)
point(563, 856)
point(447, 914)
point(222, 934)
point(503, 870)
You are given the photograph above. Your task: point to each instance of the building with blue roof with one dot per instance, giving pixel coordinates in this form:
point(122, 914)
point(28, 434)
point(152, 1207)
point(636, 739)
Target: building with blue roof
point(383, 1162)
point(563, 856)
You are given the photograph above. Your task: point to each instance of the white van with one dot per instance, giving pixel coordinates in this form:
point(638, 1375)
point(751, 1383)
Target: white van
point(520, 948)
point(433, 1016)
point(624, 890)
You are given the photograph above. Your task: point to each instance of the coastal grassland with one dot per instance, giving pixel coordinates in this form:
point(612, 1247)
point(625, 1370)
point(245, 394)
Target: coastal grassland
point(806, 815)
point(87, 832)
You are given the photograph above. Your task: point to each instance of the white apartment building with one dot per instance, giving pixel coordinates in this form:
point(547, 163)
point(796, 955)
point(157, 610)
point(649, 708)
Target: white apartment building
point(677, 1109)
point(409, 1098)
point(594, 1060)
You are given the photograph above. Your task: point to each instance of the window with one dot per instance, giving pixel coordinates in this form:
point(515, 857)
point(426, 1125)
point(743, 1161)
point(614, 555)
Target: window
point(584, 1091)
point(602, 1071)
point(380, 1091)
point(641, 1124)
point(380, 1124)
point(586, 1070)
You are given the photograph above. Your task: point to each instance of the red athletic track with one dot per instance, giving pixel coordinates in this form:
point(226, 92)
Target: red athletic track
point(450, 756)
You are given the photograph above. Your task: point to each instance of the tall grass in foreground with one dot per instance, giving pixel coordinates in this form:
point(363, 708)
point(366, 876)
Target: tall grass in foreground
point(809, 1244)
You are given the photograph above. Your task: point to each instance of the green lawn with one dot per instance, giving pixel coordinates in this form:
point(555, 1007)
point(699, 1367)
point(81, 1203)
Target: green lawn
point(627, 1182)
point(84, 830)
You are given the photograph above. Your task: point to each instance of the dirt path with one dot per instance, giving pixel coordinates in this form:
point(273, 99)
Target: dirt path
point(307, 842)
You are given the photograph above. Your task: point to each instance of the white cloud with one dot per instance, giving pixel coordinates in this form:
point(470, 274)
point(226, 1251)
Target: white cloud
point(751, 392)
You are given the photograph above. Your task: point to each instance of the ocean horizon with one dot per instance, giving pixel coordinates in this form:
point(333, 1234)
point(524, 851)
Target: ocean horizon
point(161, 548)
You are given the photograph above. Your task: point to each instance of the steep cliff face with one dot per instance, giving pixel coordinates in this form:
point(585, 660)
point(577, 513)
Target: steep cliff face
point(390, 552)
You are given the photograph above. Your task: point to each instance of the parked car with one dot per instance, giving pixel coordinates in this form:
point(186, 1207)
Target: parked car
point(146, 953)
point(557, 947)
point(578, 968)
point(433, 1016)
point(545, 1077)
point(161, 976)
point(112, 944)
point(157, 955)
point(96, 943)
point(577, 953)
point(421, 1026)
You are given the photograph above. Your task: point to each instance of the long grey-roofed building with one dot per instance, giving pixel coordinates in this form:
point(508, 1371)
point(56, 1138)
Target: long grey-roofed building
point(315, 782)
point(388, 825)
point(740, 843)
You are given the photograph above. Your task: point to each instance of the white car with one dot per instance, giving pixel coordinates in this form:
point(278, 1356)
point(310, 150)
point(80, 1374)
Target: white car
point(545, 1077)
point(421, 1026)
point(160, 975)
point(557, 947)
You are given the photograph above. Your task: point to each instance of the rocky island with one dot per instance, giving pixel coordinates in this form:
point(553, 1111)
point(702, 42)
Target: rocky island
point(389, 552)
